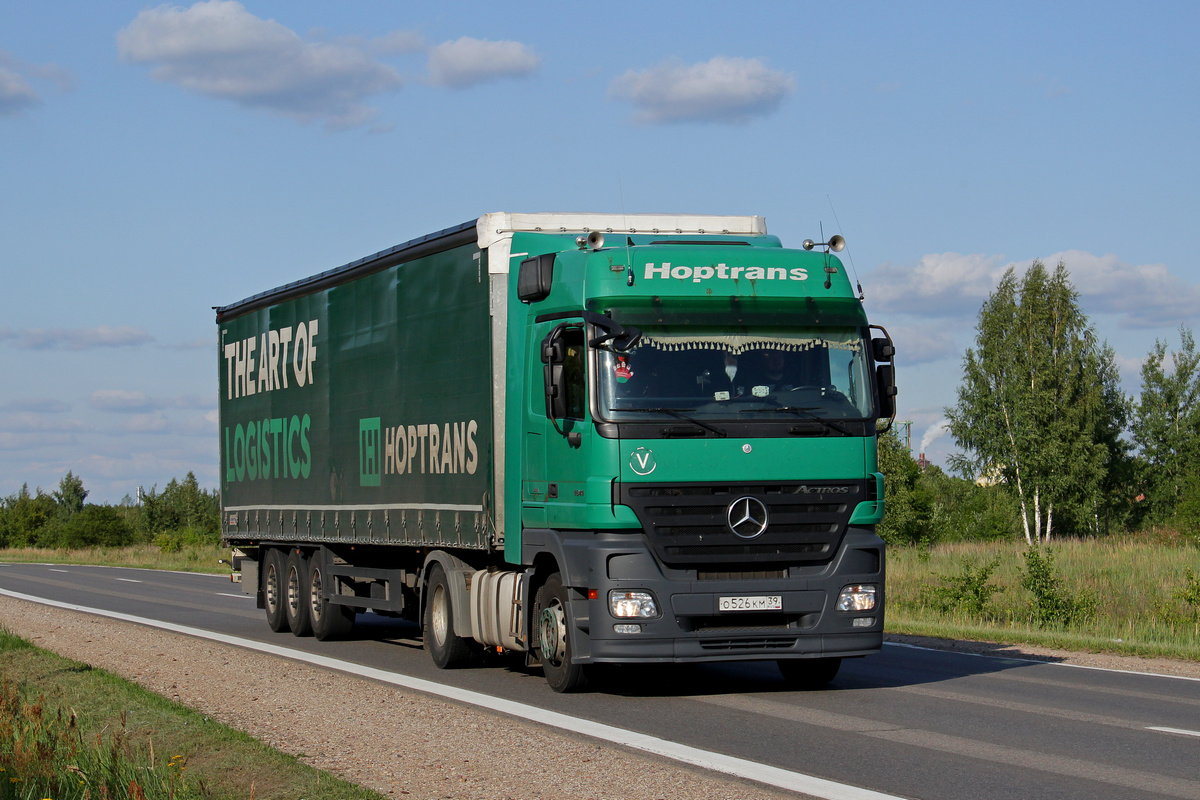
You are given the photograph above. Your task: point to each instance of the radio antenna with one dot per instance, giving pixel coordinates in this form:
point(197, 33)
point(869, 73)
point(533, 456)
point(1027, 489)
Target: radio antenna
point(857, 282)
point(628, 238)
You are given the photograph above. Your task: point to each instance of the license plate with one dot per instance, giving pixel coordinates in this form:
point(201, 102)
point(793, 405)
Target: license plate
point(759, 602)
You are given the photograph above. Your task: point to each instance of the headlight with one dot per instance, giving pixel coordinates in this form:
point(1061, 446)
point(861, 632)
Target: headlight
point(857, 598)
point(632, 604)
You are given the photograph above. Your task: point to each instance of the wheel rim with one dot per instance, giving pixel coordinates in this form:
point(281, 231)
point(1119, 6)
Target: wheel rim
point(272, 588)
point(554, 634)
point(439, 615)
point(314, 595)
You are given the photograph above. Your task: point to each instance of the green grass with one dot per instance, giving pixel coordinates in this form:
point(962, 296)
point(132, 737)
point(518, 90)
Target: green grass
point(1136, 592)
point(191, 558)
point(56, 714)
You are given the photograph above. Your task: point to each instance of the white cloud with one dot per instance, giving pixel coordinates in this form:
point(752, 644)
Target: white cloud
point(77, 338)
point(17, 94)
point(467, 62)
point(921, 343)
point(943, 285)
point(939, 285)
point(41, 405)
point(33, 422)
point(719, 90)
point(26, 441)
point(1144, 295)
point(217, 48)
point(121, 401)
point(150, 422)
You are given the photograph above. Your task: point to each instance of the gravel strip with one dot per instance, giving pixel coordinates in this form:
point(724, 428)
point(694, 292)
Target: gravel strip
point(397, 742)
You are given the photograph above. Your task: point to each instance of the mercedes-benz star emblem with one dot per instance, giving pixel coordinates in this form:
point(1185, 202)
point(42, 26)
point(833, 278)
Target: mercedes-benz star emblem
point(747, 517)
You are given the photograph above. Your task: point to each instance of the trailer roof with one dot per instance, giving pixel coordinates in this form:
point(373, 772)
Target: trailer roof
point(414, 248)
point(489, 228)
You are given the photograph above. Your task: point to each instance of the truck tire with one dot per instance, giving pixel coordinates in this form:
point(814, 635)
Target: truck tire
point(809, 673)
point(447, 649)
point(329, 620)
point(274, 588)
point(295, 600)
point(555, 638)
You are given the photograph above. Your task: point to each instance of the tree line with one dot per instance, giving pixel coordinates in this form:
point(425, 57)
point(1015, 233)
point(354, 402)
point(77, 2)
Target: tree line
point(1049, 444)
point(182, 512)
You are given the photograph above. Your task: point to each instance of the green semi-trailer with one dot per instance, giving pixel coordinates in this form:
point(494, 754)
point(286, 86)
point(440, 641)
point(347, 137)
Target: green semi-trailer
point(588, 438)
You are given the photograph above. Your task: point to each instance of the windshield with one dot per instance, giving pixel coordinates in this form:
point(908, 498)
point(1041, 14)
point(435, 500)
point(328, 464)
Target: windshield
point(718, 375)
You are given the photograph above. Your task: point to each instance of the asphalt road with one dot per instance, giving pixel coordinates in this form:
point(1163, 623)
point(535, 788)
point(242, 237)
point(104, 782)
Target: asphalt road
point(908, 722)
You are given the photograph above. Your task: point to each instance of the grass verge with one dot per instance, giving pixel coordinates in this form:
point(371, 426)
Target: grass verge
point(190, 558)
point(1127, 596)
point(80, 732)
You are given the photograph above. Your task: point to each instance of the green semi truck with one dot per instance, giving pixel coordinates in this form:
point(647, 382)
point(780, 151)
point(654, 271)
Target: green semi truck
point(585, 438)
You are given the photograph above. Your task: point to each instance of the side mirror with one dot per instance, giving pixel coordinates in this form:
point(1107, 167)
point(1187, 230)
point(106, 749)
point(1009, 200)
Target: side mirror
point(885, 379)
point(535, 278)
point(885, 376)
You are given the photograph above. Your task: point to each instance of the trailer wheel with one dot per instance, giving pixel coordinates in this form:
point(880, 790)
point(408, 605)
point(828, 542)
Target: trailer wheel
point(329, 620)
point(555, 646)
point(448, 649)
point(296, 597)
point(809, 673)
point(273, 588)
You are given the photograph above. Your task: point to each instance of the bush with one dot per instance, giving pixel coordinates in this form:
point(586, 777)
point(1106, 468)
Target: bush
point(94, 526)
point(23, 517)
point(175, 541)
point(1053, 603)
point(967, 591)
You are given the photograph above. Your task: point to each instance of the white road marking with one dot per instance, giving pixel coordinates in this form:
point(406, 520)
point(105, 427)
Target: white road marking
point(227, 594)
point(52, 569)
point(1175, 730)
point(1047, 663)
point(706, 759)
point(128, 580)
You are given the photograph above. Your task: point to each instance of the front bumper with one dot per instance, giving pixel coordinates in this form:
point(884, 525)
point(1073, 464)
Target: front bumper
point(692, 628)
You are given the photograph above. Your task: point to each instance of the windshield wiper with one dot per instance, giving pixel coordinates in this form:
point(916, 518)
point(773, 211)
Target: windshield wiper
point(806, 413)
point(675, 412)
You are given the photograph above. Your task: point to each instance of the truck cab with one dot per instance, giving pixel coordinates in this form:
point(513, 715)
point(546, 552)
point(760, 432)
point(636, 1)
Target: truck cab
point(698, 476)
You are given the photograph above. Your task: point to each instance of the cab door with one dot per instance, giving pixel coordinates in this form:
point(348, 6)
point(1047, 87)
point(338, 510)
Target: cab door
point(556, 449)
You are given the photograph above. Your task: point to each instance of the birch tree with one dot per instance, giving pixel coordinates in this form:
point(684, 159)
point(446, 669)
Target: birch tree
point(1034, 405)
point(1165, 423)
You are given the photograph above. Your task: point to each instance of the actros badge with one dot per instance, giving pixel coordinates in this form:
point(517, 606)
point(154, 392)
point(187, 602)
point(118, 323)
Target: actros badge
point(747, 517)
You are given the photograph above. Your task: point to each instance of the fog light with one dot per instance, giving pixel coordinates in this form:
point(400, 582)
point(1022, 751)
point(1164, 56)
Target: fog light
point(862, 622)
point(627, 627)
point(636, 604)
point(857, 598)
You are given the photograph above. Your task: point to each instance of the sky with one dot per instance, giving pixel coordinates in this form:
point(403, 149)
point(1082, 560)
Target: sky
point(157, 161)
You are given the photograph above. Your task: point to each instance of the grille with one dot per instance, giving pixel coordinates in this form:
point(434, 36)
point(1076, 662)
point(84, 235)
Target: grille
point(687, 523)
point(749, 643)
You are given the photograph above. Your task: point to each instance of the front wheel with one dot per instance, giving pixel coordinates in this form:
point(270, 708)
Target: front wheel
point(555, 638)
point(809, 673)
point(447, 649)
